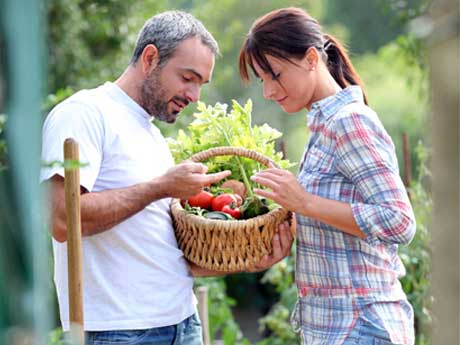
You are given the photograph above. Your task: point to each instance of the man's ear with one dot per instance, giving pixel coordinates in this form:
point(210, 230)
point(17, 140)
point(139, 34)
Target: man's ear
point(311, 58)
point(150, 58)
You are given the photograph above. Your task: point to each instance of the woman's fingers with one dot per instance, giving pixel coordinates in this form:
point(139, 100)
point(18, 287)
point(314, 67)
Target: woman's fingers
point(277, 250)
point(285, 238)
point(267, 182)
point(272, 174)
point(266, 193)
point(281, 247)
point(274, 170)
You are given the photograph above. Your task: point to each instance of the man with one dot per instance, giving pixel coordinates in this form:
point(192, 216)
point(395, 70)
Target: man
point(137, 284)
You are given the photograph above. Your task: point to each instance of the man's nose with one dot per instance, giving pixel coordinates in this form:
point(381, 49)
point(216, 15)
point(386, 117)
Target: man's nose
point(193, 94)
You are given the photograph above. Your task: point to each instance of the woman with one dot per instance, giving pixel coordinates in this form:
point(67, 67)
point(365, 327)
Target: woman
point(351, 205)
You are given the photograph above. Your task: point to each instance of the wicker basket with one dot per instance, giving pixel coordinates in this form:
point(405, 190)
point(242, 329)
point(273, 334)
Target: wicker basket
point(226, 245)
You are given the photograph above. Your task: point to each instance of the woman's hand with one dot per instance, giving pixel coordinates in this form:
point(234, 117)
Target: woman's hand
point(281, 244)
point(285, 189)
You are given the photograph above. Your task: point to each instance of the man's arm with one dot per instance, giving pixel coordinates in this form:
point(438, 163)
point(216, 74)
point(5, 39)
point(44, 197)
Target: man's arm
point(101, 211)
point(281, 243)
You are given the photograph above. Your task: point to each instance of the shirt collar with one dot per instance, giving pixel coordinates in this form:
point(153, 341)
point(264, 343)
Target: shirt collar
point(329, 106)
point(123, 97)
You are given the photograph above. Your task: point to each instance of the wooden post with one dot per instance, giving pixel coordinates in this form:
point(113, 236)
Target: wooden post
point(74, 252)
point(407, 161)
point(203, 313)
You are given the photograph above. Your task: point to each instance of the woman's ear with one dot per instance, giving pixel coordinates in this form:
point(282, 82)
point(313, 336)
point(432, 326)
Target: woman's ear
point(149, 58)
point(311, 58)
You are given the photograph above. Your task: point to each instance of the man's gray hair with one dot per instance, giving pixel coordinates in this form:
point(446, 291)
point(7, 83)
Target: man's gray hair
point(167, 30)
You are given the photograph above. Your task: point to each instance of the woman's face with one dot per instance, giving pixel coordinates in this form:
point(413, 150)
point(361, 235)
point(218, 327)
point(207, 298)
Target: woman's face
point(292, 85)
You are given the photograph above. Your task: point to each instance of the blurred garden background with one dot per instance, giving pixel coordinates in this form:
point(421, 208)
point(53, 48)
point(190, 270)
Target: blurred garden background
point(91, 41)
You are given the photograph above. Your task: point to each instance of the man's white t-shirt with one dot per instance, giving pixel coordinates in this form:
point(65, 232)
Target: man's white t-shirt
point(134, 275)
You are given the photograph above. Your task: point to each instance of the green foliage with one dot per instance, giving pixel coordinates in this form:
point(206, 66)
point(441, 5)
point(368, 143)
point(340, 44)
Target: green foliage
point(55, 98)
point(364, 26)
point(221, 321)
point(70, 164)
point(417, 256)
point(214, 126)
point(56, 337)
point(405, 57)
point(277, 321)
point(397, 90)
point(92, 41)
point(405, 10)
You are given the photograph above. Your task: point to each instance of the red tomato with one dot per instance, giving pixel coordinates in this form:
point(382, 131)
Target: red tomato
point(234, 212)
point(221, 200)
point(203, 199)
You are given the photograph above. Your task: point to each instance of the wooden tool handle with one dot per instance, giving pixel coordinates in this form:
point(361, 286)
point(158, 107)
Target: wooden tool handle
point(74, 251)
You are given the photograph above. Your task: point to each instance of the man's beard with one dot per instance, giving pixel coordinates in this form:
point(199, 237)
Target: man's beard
point(153, 98)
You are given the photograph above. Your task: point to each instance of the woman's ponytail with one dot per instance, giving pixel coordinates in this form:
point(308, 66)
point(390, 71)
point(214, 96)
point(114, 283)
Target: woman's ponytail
point(339, 64)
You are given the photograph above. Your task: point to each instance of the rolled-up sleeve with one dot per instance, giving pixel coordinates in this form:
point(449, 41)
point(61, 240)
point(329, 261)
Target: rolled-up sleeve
point(365, 155)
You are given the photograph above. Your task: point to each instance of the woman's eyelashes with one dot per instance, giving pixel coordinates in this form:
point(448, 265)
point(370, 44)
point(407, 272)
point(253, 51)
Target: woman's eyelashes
point(275, 76)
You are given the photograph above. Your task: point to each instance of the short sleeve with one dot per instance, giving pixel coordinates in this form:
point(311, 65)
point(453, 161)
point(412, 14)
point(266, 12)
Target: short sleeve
point(82, 123)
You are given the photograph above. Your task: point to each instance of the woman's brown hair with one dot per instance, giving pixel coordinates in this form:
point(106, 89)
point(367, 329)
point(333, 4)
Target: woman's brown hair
point(288, 33)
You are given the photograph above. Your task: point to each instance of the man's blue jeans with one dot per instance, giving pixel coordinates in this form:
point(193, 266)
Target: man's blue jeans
point(188, 332)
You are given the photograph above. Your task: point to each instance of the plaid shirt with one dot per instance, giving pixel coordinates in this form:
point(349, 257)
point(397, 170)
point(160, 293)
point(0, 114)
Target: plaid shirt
point(351, 158)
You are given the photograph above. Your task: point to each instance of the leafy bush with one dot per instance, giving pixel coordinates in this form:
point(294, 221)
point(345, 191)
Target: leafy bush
point(277, 321)
point(222, 324)
point(416, 256)
point(56, 337)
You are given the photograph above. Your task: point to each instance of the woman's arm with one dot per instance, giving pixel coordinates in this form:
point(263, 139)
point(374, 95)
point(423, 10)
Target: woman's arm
point(365, 156)
point(287, 192)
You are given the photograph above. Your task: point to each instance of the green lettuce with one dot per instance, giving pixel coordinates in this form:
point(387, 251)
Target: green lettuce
point(215, 126)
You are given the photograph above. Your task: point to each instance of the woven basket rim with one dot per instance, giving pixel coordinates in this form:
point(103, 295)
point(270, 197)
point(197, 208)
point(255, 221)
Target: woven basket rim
point(232, 150)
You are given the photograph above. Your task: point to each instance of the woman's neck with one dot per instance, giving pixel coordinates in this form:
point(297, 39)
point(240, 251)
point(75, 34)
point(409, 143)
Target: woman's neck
point(325, 88)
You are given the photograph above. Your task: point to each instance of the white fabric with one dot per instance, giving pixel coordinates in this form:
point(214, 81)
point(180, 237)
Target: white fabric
point(134, 275)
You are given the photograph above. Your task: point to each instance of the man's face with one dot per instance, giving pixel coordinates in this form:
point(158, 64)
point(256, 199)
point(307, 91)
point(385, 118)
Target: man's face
point(170, 88)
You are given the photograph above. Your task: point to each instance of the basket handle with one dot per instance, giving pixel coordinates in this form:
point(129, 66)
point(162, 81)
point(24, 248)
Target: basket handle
point(232, 151)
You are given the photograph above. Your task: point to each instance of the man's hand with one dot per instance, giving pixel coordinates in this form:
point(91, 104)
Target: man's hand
point(188, 179)
point(281, 243)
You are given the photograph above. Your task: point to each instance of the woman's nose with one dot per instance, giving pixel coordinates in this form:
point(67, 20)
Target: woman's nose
point(268, 90)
